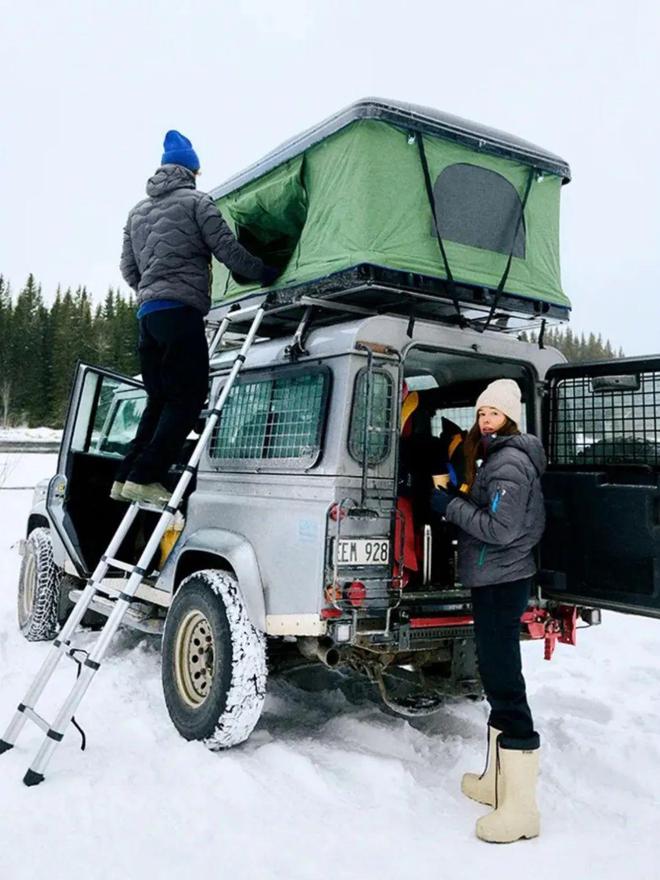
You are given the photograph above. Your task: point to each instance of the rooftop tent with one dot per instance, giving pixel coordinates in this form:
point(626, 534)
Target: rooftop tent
point(362, 189)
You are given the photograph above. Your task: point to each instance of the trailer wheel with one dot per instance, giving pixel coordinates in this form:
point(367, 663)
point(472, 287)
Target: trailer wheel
point(39, 585)
point(214, 662)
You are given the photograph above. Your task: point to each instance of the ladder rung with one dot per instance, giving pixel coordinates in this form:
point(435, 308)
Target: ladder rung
point(34, 716)
point(124, 566)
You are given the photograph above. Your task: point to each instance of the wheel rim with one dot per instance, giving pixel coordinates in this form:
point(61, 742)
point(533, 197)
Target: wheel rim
point(27, 589)
point(194, 656)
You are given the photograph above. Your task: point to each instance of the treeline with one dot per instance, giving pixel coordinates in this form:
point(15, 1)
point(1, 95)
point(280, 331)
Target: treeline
point(576, 347)
point(40, 345)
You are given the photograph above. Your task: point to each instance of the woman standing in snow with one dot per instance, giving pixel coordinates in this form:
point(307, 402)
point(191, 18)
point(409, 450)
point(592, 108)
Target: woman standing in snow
point(500, 522)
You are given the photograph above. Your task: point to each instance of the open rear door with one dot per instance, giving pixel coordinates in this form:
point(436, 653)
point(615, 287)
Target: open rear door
point(602, 488)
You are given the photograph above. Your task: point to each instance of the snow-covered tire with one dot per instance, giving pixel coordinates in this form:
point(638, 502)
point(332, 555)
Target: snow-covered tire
point(214, 662)
point(39, 585)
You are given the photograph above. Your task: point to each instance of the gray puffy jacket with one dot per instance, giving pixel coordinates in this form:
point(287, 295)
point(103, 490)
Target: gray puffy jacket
point(169, 238)
point(503, 519)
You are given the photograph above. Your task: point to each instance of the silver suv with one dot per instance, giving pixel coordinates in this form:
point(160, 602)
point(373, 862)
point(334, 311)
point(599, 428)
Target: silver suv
point(289, 550)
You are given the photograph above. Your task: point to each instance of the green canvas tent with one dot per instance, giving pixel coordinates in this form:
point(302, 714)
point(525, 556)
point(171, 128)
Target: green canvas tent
point(407, 197)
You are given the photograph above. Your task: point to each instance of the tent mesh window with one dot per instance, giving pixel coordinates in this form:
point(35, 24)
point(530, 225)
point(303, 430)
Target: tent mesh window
point(379, 429)
point(480, 208)
point(277, 420)
point(595, 427)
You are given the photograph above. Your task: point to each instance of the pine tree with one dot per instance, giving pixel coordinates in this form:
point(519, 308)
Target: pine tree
point(578, 348)
point(28, 366)
point(6, 342)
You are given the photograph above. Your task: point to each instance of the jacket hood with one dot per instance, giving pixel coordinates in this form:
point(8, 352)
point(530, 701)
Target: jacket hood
point(528, 443)
point(168, 178)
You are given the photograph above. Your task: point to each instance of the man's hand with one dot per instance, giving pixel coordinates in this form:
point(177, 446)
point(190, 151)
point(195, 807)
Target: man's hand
point(269, 275)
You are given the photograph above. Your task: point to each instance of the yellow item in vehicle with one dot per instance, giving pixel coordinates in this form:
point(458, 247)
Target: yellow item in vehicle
point(170, 537)
point(410, 404)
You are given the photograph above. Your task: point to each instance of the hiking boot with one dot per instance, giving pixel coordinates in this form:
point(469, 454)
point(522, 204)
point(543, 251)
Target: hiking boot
point(154, 494)
point(116, 491)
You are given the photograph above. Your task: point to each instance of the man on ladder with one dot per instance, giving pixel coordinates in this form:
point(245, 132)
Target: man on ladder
point(168, 242)
point(55, 729)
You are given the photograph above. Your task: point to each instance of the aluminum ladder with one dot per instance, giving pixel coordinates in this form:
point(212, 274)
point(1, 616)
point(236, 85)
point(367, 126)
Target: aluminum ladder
point(62, 646)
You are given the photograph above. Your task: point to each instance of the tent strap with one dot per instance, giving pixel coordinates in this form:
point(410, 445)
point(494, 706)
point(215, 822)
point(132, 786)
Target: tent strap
point(500, 287)
point(429, 192)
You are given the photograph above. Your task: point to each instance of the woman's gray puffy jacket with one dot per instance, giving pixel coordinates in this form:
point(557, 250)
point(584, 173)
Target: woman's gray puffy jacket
point(503, 518)
point(169, 238)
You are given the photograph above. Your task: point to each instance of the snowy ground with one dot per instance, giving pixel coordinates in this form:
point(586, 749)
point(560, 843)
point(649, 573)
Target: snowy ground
point(27, 435)
point(327, 785)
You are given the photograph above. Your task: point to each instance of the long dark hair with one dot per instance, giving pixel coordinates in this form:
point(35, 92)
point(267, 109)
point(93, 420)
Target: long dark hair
point(473, 449)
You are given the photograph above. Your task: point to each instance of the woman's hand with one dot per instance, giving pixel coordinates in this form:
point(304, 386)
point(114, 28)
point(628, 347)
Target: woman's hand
point(441, 481)
point(440, 501)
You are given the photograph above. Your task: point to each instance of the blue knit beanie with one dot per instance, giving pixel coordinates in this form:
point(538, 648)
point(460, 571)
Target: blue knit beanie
point(179, 151)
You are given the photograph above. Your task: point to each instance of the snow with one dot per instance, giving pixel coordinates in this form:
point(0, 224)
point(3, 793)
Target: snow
point(26, 435)
point(327, 783)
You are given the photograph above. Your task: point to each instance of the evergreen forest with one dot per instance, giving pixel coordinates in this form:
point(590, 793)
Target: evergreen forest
point(40, 346)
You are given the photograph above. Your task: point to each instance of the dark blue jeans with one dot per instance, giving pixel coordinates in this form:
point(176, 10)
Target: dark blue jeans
point(497, 611)
point(174, 362)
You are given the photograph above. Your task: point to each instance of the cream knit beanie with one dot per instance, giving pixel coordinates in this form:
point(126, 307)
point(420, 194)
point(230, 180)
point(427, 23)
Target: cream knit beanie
point(502, 394)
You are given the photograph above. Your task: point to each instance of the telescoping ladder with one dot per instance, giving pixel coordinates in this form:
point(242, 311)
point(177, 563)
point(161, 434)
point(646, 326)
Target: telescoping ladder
point(62, 646)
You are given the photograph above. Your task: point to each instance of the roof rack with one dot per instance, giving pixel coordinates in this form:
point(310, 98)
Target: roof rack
point(373, 290)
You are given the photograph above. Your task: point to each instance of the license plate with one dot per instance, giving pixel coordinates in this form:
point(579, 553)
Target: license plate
point(362, 551)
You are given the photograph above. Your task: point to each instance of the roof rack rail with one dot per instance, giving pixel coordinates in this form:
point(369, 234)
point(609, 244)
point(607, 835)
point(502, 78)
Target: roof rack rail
point(373, 290)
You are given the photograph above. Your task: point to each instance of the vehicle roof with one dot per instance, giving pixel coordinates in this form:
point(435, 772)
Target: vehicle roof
point(412, 117)
point(392, 331)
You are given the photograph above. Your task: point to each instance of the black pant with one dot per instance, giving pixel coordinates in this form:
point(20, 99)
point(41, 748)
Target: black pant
point(175, 370)
point(497, 611)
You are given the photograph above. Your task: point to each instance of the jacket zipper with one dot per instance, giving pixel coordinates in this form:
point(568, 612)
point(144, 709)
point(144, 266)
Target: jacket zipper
point(493, 509)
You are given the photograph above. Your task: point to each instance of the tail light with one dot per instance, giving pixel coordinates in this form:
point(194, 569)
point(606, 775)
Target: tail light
point(356, 593)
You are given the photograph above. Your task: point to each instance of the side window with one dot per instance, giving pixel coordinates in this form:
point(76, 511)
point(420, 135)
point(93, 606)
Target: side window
point(120, 426)
point(379, 430)
point(273, 419)
point(595, 423)
point(108, 414)
point(479, 208)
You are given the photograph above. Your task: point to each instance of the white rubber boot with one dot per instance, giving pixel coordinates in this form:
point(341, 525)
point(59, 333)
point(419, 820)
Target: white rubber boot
point(516, 814)
point(482, 788)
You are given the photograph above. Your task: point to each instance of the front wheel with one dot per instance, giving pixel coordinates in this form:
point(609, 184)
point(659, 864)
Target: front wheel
point(214, 662)
point(39, 585)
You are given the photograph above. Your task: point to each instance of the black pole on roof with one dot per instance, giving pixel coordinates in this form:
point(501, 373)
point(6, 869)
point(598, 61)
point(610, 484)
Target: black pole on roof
point(542, 334)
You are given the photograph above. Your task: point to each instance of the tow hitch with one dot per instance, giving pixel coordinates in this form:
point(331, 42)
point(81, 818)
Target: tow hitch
point(557, 625)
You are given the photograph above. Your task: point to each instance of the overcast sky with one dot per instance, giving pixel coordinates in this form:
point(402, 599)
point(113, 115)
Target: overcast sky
point(89, 88)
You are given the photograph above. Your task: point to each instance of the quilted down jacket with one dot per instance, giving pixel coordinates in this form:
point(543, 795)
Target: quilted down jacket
point(169, 238)
point(502, 519)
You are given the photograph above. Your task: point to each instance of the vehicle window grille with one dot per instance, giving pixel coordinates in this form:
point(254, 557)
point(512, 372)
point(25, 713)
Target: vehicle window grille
point(379, 431)
point(272, 419)
point(605, 427)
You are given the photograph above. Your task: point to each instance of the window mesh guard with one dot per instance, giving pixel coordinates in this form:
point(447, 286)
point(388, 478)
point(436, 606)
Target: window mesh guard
point(605, 427)
point(274, 419)
point(379, 430)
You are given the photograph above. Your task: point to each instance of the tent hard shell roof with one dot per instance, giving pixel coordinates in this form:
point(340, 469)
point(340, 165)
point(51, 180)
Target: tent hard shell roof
point(411, 117)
